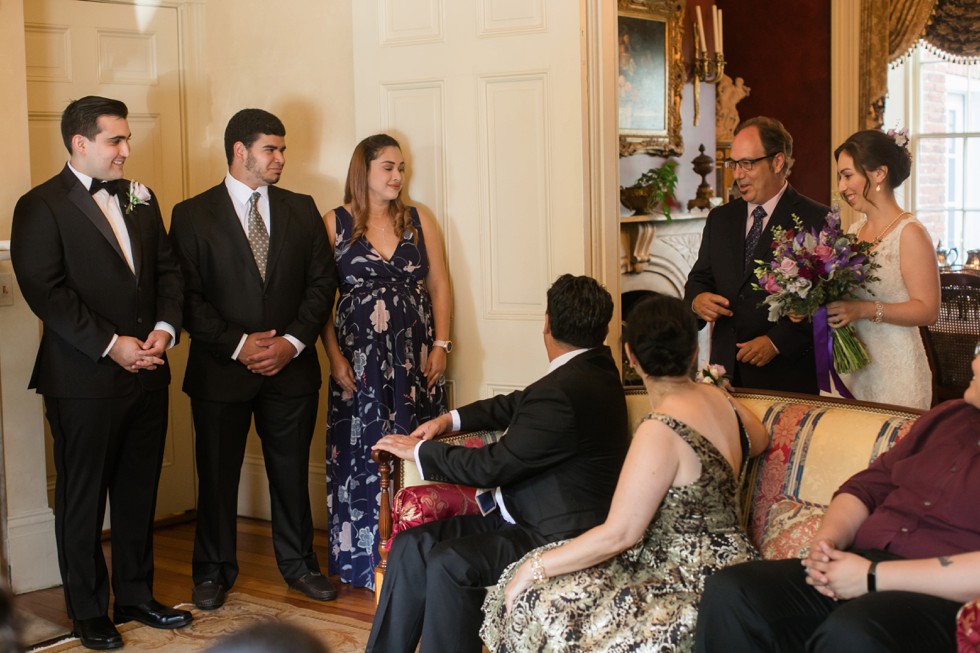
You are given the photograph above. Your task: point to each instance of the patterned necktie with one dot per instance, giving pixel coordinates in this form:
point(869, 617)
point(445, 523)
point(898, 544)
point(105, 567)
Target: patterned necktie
point(258, 236)
point(752, 239)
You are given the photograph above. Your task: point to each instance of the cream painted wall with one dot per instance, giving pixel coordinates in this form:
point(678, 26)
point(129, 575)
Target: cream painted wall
point(297, 62)
point(30, 526)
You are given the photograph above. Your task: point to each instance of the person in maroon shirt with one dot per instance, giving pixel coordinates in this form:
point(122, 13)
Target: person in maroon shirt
point(896, 555)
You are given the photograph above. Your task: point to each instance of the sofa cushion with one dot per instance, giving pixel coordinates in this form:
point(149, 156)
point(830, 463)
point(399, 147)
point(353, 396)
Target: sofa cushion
point(790, 527)
point(816, 445)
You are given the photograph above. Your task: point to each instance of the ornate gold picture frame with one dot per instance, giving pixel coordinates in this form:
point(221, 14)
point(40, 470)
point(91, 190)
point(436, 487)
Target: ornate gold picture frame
point(651, 76)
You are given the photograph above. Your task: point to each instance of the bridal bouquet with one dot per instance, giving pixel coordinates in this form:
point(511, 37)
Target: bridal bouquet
point(810, 269)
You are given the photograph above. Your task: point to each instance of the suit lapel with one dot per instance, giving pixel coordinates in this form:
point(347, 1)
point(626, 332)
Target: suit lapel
point(279, 224)
point(227, 220)
point(80, 197)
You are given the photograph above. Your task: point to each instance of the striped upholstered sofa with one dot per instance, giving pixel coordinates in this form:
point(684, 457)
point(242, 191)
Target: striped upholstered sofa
point(816, 444)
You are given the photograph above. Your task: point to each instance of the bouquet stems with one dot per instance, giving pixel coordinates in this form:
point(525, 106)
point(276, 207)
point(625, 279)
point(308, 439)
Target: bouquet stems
point(849, 352)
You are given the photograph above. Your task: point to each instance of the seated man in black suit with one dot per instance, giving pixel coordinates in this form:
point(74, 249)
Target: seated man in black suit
point(554, 472)
point(756, 352)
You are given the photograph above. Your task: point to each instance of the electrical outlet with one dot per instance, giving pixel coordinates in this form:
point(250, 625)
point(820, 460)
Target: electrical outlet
point(6, 289)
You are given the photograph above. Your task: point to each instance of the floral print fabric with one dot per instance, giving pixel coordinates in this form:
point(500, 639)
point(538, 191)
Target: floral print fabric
point(646, 598)
point(385, 329)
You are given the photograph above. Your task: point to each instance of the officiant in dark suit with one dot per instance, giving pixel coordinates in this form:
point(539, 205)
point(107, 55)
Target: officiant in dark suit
point(550, 477)
point(261, 279)
point(94, 263)
point(756, 353)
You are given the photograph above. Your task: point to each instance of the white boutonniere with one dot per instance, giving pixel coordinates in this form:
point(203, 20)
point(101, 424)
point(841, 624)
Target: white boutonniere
point(136, 195)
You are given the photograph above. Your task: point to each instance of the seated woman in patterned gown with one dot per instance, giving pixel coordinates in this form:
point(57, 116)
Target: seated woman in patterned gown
point(634, 582)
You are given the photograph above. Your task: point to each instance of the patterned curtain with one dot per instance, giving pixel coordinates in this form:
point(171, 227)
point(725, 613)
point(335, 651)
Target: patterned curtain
point(891, 29)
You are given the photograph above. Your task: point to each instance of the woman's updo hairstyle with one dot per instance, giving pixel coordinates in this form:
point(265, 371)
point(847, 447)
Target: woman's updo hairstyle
point(871, 149)
point(663, 335)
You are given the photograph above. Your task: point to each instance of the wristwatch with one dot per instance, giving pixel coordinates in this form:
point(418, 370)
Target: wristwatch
point(445, 344)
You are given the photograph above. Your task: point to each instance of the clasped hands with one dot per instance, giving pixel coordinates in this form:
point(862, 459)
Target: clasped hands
point(265, 353)
point(758, 351)
point(403, 446)
point(133, 354)
point(834, 573)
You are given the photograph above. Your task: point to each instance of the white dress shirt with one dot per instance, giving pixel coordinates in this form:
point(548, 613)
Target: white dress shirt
point(241, 197)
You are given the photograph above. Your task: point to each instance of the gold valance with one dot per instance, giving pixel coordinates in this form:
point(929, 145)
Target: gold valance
point(954, 31)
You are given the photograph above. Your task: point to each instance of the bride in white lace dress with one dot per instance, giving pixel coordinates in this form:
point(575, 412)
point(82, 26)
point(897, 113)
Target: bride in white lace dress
point(887, 316)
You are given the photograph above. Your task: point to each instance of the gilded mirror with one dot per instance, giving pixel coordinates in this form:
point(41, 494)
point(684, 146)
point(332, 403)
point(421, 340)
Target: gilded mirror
point(651, 75)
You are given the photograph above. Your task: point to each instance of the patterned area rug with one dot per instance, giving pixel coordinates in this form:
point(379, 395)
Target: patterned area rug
point(342, 634)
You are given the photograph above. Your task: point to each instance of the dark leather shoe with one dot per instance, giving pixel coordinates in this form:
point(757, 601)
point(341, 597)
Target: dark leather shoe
point(316, 586)
point(97, 633)
point(209, 595)
point(153, 614)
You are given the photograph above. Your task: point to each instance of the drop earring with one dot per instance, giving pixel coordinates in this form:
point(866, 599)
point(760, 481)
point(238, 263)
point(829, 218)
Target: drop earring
point(878, 188)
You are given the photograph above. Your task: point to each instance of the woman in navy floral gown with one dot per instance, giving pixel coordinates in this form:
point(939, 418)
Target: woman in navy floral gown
point(387, 346)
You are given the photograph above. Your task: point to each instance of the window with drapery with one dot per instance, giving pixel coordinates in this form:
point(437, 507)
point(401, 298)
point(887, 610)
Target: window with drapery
point(926, 77)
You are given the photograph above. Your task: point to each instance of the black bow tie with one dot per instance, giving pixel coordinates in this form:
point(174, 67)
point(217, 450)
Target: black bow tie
point(98, 184)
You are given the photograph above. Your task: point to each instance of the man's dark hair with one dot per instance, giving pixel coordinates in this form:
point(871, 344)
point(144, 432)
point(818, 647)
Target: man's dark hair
point(579, 310)
point(247, 125)
point(82, 116)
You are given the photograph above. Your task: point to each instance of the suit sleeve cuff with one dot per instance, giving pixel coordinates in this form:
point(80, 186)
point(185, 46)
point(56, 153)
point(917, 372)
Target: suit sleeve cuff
point(418, 461)
point(115, 337)
point(296, 343)
point(238, 349)
point(164, 326)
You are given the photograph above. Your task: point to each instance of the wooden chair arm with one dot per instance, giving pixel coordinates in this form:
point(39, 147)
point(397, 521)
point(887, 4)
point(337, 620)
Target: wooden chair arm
point(385, 463)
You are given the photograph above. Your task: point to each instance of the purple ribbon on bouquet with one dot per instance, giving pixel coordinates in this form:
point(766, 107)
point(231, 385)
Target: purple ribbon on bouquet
point(823, 346)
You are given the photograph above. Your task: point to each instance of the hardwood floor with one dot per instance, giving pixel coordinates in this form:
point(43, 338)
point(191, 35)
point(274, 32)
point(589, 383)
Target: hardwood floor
point(258, 575)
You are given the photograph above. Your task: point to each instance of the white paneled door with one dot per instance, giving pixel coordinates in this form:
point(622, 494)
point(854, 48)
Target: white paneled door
point(127, 52)
point(486, 97)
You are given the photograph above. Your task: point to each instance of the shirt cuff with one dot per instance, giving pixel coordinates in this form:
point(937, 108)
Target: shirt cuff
point(115, 337)
point(418, 461)
point(164, 326)
point(456, 423)
point(238, 349)
point(296, 343)
point(773, 344)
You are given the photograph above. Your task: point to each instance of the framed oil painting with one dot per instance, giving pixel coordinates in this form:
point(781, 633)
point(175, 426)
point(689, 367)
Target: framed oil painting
point(651, 75)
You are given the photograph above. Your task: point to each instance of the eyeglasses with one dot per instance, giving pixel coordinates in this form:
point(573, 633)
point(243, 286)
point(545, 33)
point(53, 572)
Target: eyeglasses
point(745, 164)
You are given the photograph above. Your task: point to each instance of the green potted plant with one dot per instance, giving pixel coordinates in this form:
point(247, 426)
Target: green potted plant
point(653, 190)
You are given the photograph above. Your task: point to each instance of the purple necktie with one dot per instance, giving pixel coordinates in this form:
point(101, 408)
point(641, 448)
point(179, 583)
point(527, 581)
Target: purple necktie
point(752, 239)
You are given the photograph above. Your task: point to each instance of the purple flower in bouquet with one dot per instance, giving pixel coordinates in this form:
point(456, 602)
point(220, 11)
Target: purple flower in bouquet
point(810, 269)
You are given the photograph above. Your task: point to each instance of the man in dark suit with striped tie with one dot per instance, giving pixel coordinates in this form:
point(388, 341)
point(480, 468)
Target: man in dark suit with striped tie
point(261, 280)
point(756, 353)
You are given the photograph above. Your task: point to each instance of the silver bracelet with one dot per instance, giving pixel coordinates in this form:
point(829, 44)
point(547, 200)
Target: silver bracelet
point(879, 313)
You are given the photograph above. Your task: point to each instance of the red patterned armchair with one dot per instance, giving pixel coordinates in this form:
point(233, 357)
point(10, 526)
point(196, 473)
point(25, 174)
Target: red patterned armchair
point(416, 501)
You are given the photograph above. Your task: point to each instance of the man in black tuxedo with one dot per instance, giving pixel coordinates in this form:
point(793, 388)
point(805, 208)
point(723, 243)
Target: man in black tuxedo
point(94, 264)
point(555, 470)
point(261, 280)
point(756, 353)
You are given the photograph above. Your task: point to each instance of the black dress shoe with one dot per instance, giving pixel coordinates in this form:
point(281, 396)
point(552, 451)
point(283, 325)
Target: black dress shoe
point(153, 614)
point(97, 633)
point(316, 586)
point(209, 595)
